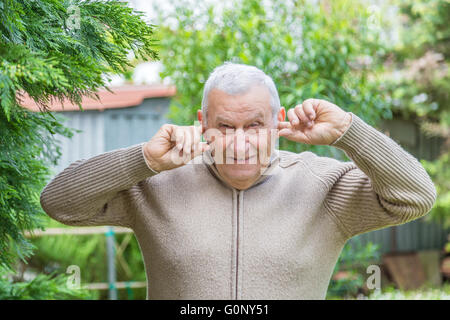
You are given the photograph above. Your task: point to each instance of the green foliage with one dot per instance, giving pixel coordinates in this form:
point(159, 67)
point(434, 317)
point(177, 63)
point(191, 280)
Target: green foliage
point(28, 150)
point(88, 252)
point(42, 287)
point(44, 57)
point(352, 265)
point(56, 253)
point(422, 294)
point(440, 174)
point(425, 26)
point(420, 88)
point(309, 50)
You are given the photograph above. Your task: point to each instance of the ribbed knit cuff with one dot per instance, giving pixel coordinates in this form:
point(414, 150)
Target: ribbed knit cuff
point(133, 163)
point(357, 136)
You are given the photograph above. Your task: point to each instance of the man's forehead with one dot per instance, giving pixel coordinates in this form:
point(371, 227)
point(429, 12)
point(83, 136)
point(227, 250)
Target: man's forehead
point(253, 104)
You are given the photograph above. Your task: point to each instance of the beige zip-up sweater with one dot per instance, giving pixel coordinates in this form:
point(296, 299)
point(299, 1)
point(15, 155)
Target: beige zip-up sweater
point(279, 239)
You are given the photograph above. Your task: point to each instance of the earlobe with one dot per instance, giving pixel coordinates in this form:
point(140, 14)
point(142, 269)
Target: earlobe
point(200, 120)
point(281, 114)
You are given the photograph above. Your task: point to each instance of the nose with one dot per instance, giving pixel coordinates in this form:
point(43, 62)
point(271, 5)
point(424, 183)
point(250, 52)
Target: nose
point(241, 144)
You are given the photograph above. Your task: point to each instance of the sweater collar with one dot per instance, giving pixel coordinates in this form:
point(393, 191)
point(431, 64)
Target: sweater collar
point(270, 170)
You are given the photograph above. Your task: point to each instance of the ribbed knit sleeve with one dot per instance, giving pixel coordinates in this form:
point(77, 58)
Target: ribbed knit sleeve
point(383, 186)
point(98, 191)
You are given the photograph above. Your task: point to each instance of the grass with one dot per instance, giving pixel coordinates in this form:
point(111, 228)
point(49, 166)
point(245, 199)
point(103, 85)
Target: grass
point(441, 293)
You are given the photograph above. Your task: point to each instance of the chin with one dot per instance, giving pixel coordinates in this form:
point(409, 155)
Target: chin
point(241, 171)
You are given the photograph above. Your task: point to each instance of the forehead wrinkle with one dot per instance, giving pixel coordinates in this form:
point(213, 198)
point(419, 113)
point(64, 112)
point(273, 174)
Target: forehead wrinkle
point(241, 108)
point(258, 115)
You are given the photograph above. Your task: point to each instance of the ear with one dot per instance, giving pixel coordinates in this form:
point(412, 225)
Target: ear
point(281, 114)
point(200, 119)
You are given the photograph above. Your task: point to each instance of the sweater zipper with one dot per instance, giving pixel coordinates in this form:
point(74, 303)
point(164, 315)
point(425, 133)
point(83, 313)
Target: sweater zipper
point(237, 244)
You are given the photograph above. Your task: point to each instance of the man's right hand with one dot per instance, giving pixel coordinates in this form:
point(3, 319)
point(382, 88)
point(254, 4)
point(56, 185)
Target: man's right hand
point(173, 146)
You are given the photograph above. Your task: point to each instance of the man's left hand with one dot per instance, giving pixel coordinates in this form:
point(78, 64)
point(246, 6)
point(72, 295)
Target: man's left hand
point(316, 122)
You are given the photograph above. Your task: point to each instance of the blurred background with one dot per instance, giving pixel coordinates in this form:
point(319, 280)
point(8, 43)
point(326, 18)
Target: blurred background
point(386, 61)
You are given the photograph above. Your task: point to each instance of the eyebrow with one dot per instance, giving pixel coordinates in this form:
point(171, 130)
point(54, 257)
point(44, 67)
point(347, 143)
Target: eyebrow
point(258, 116)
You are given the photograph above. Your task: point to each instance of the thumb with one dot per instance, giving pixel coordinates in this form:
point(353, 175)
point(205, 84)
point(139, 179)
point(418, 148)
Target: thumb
point(285, 132)
point(284, 125)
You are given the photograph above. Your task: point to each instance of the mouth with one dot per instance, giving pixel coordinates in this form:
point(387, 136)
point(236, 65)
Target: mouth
point(246, 160)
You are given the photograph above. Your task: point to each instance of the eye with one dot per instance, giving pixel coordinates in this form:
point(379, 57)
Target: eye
point(255, 124)
point(225, 126)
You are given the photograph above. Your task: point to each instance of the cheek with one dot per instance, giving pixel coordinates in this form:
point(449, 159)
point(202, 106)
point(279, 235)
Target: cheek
point(260, 141)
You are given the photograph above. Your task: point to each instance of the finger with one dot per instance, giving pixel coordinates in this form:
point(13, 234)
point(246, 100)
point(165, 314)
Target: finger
point(294, 135)
point(293, 118)
point(284, 125)
point(197, 134)
point(197, 138)
point(301, 114)
point(179, 138)
point(188, 133)
point(285, 132)
point(309, 109)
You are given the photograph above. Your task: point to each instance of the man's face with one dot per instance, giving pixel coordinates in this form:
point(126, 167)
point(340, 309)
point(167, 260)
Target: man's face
point(239, 127)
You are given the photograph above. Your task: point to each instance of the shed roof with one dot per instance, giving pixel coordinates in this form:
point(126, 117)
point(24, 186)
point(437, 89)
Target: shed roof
point(121, 97)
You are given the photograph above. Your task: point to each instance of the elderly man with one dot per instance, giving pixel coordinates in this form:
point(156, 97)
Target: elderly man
point(234, 218)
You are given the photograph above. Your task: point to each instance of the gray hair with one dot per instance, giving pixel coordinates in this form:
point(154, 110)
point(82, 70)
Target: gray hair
point(234, 78)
